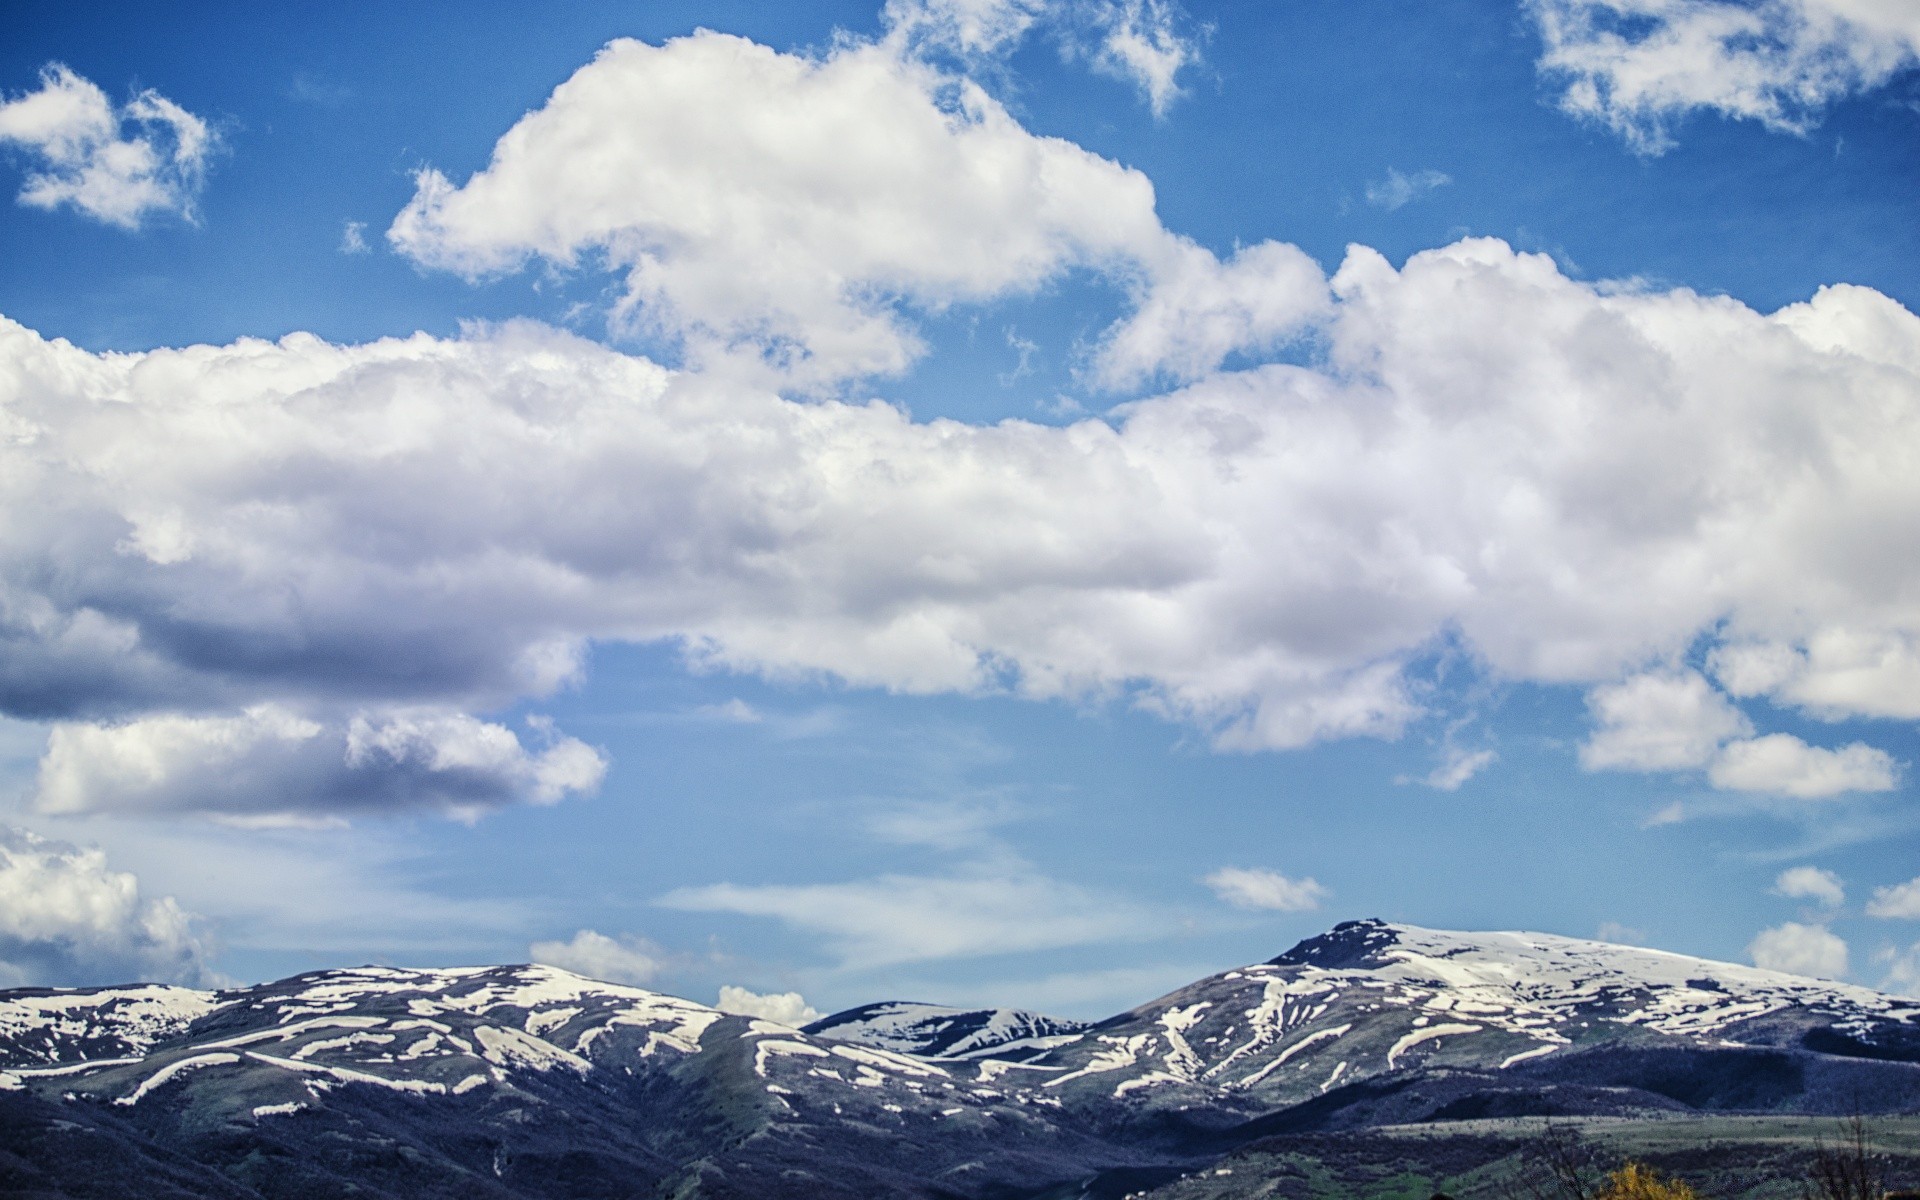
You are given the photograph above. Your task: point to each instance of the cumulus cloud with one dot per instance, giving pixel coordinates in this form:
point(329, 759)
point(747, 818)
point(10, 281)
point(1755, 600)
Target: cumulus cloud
point(1257, 887)
point(1398, 190)
point(1659, 721)
point(1564, 480)
point(67, 920)
point(1800, 950)
point(1811, 883)
point(779, 208)
point(269, 762)
point(912, 918)
point(1900, 901)
point(1784, 765)
point(1637, 65)
point(628, 959)
point(1457, 766)
point(1199, 310)
point(785, 1008)
point(118, 164)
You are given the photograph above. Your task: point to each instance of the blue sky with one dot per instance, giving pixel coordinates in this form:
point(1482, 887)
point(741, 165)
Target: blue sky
point(1020, 501)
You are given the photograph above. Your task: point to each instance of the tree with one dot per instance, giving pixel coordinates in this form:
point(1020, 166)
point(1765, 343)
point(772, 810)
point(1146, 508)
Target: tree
point(1636, 1181)
point(1847, 1169)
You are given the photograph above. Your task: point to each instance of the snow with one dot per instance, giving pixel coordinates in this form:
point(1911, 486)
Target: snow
point(139, 1017)
point(508, 1047)
point(348, 1075)
point(764, 1050)
point(1430, 1033)
point(1125, 1052)
point(277, 1110)
point(1524, 1055)
point(176, 1067)
point(468, 1084)
point(1318, 1035)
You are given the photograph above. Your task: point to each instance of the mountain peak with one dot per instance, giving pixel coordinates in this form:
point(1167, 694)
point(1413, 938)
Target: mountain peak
point(1347, 945)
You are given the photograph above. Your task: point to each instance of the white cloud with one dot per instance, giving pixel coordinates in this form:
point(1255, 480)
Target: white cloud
point(67, 920)
point(353, 238)
point(1800, 950)
point(1621, 935)
point(1659, 721)
point(966, 27)
point(891, 919)
point(1900, 901)
point(778, 207)
point(118, 164)
point(1637, 65)
point(1903, 970)
point(1256, 887)
point(629, 960)
point(785, 1008)
point(1140, 40)
point(1565, 480)
point(1458, 766)
point(1811, 883)
point(1398, 190)
point(269, 762)
point(1198, 310)
point(1784, 765)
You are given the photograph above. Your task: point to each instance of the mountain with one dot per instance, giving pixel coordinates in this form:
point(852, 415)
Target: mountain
point(934, 1031)
point(527, 1081)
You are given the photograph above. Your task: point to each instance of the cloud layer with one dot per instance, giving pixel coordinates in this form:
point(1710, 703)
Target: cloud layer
point(1565, 480)
point(118, 164)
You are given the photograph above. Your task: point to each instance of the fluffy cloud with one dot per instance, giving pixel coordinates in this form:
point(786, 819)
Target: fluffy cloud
point(1398, 190)
point(116, 163)
point(1659, 721)
point(913, 918)
point(1199, 310)
point(1784, 765)
point(629, 960)
point(1800, 950)
point(1901, 901)
point(269, 762)
point(1256, 887)
point(1811, 883)
point(1636, 65)
point(780, 207)
point(785, 1008)
point(67, 920)
point(1565, 480)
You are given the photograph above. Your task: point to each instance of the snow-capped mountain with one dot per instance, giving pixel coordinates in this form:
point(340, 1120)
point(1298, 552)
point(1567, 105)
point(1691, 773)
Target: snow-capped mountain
point(1521, 1011)
point(530, 1081)
point(934, 1031)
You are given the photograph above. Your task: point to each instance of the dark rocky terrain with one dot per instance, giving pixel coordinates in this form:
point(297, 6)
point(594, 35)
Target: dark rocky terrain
point(1372, 1048)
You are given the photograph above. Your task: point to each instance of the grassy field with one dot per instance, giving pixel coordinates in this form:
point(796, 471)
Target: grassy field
point(1723, 1158)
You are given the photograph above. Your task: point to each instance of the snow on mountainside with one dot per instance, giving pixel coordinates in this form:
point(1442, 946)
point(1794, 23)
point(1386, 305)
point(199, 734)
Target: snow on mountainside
point(1370, 998)
point(934, 1031)
point(552, 1084)
point(51, 1025)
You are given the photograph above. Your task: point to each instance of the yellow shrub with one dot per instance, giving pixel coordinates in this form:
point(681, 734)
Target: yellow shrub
point(1637, 1182)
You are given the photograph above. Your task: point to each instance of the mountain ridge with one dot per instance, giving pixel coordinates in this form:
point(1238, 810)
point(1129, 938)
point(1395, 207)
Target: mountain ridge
point(534, 1080)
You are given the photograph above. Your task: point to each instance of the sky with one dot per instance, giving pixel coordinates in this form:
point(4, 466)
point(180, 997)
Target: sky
point(1016, 502)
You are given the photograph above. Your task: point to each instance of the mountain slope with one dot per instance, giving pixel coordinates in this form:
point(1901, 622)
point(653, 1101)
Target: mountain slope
point(1371, 1001)
point(532, 1082)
